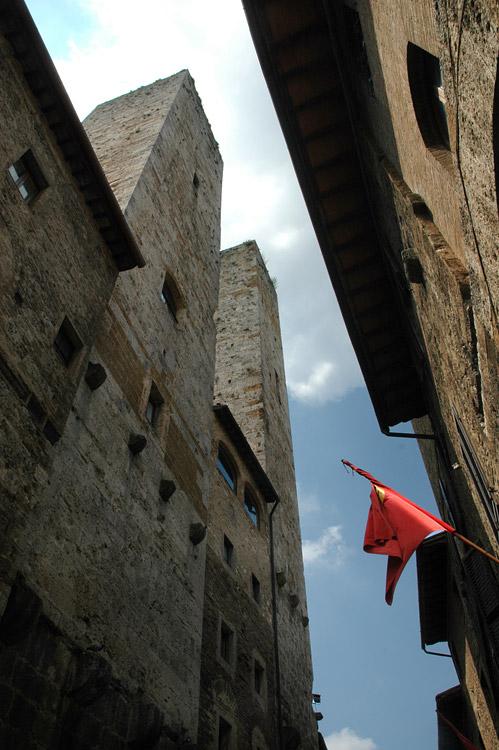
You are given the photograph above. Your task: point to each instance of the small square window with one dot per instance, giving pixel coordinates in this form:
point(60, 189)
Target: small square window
point(255, 588)
point(66, 343)
point(228, 551)
point(28, 177)
point(226, 642)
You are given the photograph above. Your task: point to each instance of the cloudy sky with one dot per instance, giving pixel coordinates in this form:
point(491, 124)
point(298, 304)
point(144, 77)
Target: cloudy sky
point(378, 687)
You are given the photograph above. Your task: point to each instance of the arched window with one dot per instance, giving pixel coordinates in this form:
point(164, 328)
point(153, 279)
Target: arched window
point(428, 97)
point(226, 467)
point(251, 507)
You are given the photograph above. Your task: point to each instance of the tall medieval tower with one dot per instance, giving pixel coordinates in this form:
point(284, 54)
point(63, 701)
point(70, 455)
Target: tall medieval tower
point(250, 380)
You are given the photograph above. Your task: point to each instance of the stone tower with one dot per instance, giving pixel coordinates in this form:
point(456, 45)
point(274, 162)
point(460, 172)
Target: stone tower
point(250, 380)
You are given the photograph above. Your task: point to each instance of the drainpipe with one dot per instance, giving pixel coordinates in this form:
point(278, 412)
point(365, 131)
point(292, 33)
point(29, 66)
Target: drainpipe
point(275, 627)
point(417, 436)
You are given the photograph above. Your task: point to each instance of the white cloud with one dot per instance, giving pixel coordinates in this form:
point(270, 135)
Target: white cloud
point(346, 739)
point(317, 385)
point(308, 501)
point(329, 547)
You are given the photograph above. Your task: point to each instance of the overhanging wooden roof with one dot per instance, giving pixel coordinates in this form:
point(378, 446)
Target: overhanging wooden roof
point(41, 76)
point(297, 53)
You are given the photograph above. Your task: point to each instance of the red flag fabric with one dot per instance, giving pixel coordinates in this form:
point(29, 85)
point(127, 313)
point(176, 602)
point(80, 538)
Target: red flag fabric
point(395, 527)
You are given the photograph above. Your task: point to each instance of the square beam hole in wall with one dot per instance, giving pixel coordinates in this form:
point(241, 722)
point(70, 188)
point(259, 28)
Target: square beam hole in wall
point(67, 343)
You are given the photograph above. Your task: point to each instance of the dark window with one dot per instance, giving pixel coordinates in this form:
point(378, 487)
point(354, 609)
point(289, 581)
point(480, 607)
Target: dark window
point(228, 551)
point(255, 588)
point(153, 407)
point(224, 734)
point(357, 46)
point(226, 467)
point(428, 97)
point(251, 507)
point(67, 343)
point(226, 642)
point(258, 677)
point(28, 177)
point(170, 296)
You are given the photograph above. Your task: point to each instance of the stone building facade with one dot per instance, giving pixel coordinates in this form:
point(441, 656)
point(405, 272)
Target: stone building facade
point(391, 115)
point(123, 624)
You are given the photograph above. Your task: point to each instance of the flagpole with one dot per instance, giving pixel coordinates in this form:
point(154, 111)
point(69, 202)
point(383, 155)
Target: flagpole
point(445, 527)
point(472, 544)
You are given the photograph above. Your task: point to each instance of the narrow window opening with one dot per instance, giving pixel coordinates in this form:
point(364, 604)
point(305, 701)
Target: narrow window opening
point(255, 588)
point(28, 177)
point(226, 642)
point(171, 296)
point(224, 734)
point(428, 98)
point(228, 551)
point(278, 386)
point(226, 468)
point(258, 677)
point(154, 404)
point(66, 343)
point(251, 507)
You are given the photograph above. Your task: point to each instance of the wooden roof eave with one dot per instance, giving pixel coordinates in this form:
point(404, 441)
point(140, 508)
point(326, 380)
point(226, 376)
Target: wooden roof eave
point(41, 75)
point(328, 230)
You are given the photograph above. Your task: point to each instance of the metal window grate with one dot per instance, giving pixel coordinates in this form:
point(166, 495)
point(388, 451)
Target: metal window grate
point(477, 474)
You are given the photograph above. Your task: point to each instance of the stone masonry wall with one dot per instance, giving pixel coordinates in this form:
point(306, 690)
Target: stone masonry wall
point(121, 572)
point(250, 379)
point(227, 688)
point(54, 265)
point(439, 222)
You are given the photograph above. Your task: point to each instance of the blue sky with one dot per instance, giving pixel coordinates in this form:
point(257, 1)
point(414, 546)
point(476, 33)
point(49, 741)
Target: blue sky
point(377, 685)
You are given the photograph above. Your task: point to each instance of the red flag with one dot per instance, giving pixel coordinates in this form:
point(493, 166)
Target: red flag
point(395, 527)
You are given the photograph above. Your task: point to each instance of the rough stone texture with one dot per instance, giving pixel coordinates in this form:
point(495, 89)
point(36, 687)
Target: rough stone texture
point(122, 571)
point(228, 689)
point(250, 379)
point(440, 209)
point(54, 264)
point(104, 571)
